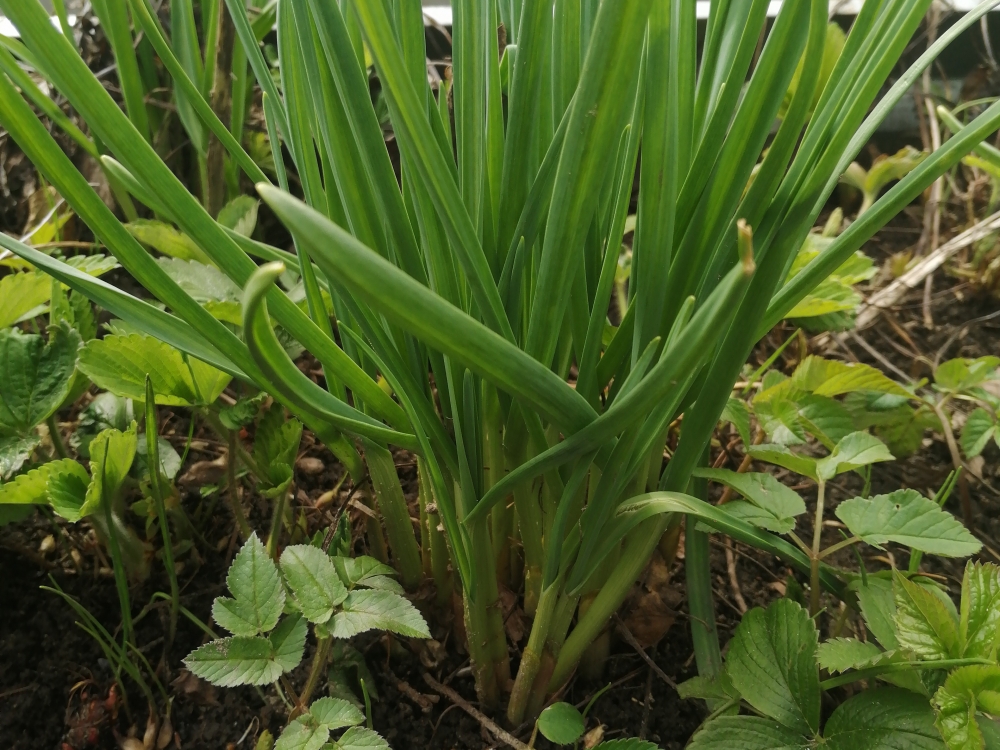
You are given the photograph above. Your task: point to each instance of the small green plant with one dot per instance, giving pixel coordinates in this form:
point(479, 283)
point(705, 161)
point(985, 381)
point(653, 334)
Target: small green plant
point(268, 615)
point(563, 724)
point(941, 663)
point(464, 294)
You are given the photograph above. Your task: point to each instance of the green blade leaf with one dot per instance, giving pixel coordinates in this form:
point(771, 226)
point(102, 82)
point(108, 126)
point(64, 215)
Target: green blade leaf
point(747, 733)
point(120, 363)
point(853, 452)
point(979, 624)
point(906, 517)
point(258, 596)
point(772, 662)
point(150, 319)
point(883, 719)
point(924, 625)
point(36, 375)
point(561, 723)
point(314, 582)
point(368, 609)
point(429, 317)
point(761, 489)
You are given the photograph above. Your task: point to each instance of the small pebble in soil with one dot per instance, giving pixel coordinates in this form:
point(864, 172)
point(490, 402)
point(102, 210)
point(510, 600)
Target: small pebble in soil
point(310, 466)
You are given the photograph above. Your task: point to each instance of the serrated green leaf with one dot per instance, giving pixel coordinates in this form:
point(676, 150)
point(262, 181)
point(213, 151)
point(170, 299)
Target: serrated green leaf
point(878, 607)
point(779, 416)
point(841, 654)
point(243, 412)
point(314, 581)
point(883, 719)
point(111, 456)
point(336, 713)
point(906, 517)
point(240, 660)
point(14, 451)
point(36, 376)
point(240, 215)
point(276, 444)
point(561, 723)
point(170, 460)
point(203, 282)
point(67, 493)
point(31, 488)
point(302, 734)
point(826, 377)
point(979, 622)
point(979, 428)
point(707, 688)
point(360, 738)
point(369, 609)
point(781, 456)
point(830, 296)
point(258, 596)
point(626, 743)
point(366, 571)
point(20, 293)
point(828, 420)
point(966, 690)
point(737, 413)
point(288, 639)
point(105, 411)
point(165, 239)
point(924, 626)
point(853, 452)
point(961, 374)
point(746, 733)
point(761, 489)
point(772, 662)
point(120, 363)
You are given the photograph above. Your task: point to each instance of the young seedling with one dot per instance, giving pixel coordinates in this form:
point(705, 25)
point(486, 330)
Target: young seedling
point(339, 596)
point(942, 666)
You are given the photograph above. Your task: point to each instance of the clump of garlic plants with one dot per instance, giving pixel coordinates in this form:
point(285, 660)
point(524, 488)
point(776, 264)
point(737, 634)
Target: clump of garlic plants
point(477, 286)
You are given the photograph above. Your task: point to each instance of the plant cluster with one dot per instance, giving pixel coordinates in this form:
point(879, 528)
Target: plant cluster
point(466, 302)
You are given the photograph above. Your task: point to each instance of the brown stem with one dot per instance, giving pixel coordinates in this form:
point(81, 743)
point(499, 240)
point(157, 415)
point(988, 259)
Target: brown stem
point(233, 490)
point(956, 460)
point(221, 99)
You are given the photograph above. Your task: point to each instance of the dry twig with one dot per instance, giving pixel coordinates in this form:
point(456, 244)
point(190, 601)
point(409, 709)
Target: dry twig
point(490, 726)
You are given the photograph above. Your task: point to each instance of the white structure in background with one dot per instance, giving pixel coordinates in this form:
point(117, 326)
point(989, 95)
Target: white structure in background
point(439, 11)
